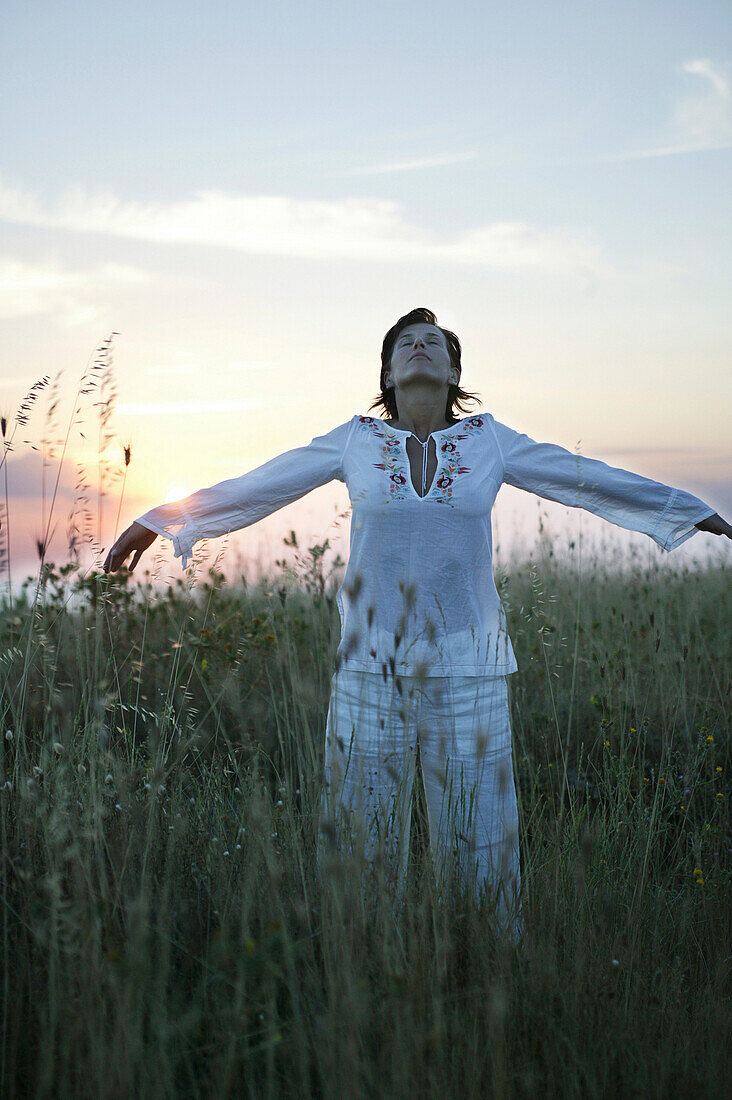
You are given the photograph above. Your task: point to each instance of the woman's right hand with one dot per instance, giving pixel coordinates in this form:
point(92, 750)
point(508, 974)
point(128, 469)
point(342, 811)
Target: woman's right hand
point(135, 539)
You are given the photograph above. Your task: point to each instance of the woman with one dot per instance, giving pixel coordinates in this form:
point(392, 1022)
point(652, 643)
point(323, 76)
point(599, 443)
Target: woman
point(424, 652)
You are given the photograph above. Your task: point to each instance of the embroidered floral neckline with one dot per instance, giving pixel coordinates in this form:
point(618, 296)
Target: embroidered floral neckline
point(395, 462)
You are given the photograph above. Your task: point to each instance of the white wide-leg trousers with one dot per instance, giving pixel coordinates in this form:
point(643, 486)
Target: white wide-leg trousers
point(462, 726)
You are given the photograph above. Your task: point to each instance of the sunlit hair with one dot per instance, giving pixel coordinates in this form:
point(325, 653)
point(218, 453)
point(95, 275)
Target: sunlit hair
point(455, 395)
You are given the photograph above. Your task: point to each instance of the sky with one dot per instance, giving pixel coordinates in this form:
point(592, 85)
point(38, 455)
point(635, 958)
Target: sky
point(250, 195)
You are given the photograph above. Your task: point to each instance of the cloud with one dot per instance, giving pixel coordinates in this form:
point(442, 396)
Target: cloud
point(702, 117)
point(404, 166)
point(176, 370)
point(28, 289)
point(361, 229)
point(25, 477)
point(705, 115)
point(181, 408)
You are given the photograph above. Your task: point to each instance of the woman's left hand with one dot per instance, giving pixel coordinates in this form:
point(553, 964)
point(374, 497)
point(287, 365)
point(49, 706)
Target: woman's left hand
point(716, 525)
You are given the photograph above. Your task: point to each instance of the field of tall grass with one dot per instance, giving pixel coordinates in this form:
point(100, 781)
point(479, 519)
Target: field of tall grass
point(165, 931)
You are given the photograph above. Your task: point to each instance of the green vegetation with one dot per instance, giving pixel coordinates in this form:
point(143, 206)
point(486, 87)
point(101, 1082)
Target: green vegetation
point(165, 931)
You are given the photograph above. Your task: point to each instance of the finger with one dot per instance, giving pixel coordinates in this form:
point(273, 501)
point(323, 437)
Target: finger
point(133, 563)
point(116, 557)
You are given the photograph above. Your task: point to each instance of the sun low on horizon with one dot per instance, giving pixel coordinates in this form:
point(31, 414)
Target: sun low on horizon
point(176, 493)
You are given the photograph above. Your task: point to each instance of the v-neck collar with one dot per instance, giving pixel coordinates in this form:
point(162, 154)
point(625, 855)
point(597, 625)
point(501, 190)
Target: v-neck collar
point(425, 452)
point(422, 442)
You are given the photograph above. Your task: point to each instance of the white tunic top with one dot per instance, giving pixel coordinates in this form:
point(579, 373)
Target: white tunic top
point(419, 588)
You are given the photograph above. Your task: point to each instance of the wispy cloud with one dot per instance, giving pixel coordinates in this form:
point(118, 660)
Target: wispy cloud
point(702, 117)
point(182, 408)
point(183, 369)
point(404, 166)
point(72, 298)
point(362, 229)
point(705, 114)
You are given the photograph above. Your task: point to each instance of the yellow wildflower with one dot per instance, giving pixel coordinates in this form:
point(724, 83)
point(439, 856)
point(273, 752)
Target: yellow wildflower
point(662, 780)
point(633, 729)
point(697, 871)
point(204, 664)
point(700, 882)
point(710, 739)
point(719, 794)
point(719, 767)
point(606, 744)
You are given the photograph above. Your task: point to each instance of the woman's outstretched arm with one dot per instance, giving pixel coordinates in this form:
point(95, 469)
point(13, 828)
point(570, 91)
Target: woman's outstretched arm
point(669, 516)
point(237, 502)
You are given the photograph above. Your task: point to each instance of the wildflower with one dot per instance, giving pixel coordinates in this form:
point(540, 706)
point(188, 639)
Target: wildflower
point(682, 806)
point(719, 794)
point(645, 780)
point(719, 767)
point(204, 664)
point(700, 882)
point(606, 744)
point(710, 739)
point(633, 729)
point(661, 780)
point(697, 871)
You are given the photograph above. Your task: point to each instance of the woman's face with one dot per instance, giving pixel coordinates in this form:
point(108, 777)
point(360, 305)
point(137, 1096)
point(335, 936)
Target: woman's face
point(420, 354)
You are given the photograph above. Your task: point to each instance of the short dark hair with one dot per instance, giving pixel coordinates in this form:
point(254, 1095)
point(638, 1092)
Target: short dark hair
point(455, 395)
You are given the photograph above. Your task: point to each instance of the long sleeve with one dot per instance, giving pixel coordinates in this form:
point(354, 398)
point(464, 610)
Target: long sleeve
point(242, 501)
point(666, 514)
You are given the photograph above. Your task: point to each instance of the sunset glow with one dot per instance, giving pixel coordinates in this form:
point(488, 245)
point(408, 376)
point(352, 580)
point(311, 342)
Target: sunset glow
point(559, 198)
